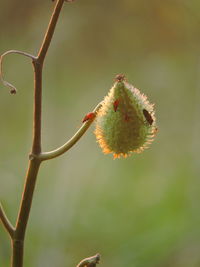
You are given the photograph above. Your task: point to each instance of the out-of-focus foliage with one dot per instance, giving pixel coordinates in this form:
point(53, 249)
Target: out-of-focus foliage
point(137, 212)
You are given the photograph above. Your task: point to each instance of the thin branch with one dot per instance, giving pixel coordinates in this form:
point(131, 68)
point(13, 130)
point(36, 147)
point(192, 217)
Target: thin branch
point(61, 150)
point(34, 164)
point(18, 234)
point(37, 112)
point(50, 30)
point(13, 89)
point(90, 262)
point(38, 67)
point(26, 199)
point(5, 221)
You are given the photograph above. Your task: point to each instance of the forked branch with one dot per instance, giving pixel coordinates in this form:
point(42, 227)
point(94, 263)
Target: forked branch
point(17, 234)
point(64, 148)
point(5, 221)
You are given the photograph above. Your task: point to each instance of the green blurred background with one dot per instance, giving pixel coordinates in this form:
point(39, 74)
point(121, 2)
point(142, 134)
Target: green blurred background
point(142, 211)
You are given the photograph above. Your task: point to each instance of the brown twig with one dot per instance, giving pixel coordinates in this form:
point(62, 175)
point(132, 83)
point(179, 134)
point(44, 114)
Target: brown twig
point(17, 234)
point(5, 221)
point(34, 164)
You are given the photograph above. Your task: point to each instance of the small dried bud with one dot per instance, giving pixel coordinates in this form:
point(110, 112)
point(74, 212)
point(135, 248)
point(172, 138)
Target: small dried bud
point(13, 91)
point(125, 123)
point(90, 262)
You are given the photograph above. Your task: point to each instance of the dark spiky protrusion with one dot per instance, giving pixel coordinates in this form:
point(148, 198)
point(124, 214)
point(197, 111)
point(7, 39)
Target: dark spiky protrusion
point(120, 78)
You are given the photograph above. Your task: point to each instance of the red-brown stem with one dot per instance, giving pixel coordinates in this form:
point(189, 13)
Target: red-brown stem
point(36, 145)
point(49, 33)
point(34, 163)
point(5, 221)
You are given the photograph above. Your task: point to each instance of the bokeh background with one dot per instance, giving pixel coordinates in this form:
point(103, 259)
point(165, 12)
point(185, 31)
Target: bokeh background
point(143, 211)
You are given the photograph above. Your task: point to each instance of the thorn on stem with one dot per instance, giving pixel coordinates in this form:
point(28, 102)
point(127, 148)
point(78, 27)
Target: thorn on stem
point(88, 116)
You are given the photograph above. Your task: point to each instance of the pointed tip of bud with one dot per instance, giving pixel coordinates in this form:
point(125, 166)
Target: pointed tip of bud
point(120, 78)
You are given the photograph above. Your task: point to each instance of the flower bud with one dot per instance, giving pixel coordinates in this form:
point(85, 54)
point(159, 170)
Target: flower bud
point(125, 123)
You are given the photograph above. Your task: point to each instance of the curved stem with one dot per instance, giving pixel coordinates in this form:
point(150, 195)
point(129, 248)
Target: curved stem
point(5, 221)
point(64, 148)
point(7, 84)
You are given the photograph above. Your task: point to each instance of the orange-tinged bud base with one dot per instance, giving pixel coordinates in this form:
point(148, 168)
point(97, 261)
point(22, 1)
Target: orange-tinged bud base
point(125, 129)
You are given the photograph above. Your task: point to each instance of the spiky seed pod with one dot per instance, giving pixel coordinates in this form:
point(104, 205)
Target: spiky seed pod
point(126, 122)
